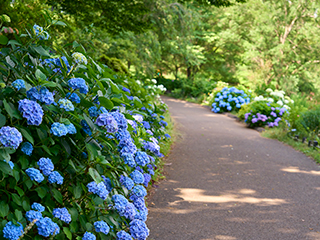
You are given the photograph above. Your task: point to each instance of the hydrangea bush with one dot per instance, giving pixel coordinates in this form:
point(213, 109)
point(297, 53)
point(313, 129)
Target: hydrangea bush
point(78, 144)
point(230, 98)
point(261, 113)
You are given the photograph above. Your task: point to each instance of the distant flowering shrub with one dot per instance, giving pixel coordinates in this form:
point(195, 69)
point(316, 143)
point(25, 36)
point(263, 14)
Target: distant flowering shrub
point(72, 133)
point(229, 99)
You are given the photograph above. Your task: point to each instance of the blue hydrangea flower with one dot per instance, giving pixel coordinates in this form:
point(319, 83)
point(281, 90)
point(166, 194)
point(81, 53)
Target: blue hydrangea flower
point(120, 119)
point(27, 148)
point(142, 214)
point(129, 212)
point(32, 111)
point(40, 33)
point(55, 177)
point(66, 105)
point(138, 229)
point(58, 129)
point(88, 236)
point(10, 137)
point(146, 124)
point(12, 232)
point(142, 158)
point(45, 165)
point(139, 203)
point(61, 62)
point(167, 135)
point(19, 84)
point(138, 117)
point(125, 90)
point(137, 177)
point(99, 189)
point(120, 202)
point(147, 178)
point(35, 175)
point(79, 58)
point(78, 83)
point(85, 127)
point(122, 235)
point(47, 227)
point(93, 111)
point(33, 94)
point(38, 207)
point(108, 121)
point(101, 226)
point(107, 182)
point(32, 215)
point(127, 182)
point(163, 123)
point(128, 159)
point(139, 191)
point(73, 97)
point(46, 96)
point(62, 214)
point(71, 129)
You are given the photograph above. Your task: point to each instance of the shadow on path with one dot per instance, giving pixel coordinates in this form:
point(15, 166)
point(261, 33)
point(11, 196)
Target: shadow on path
point(228, 183)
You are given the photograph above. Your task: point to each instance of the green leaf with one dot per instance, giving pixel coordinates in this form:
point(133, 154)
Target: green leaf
point(114, 87)
point(3, 40)
point(95, 175)
point(67, 232)
point(44, 147)
point(40, 75)
point(57, 195)
point(13, 43)
point(42, 51)
point(137, 102)
point(4, 209)
point(77, 191)
point(42, 191)
point(27, 135)
point(5, 18)
point(89, 121)
point(25, 205)
point(4, 166)
point(16, 199)
point(65, 121)
point(108, 104)
point(60, 23)
point(2, 120)
point(18, 215)
point(66, 146)
point(8, 108)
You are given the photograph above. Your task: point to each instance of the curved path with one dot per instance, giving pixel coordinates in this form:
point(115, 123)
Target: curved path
point(226, 182)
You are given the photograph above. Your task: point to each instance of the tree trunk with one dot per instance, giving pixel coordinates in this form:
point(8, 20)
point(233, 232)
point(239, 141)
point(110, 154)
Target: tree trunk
point(189, 72)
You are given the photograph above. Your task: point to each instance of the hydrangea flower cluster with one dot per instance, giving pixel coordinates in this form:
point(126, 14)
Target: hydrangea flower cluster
point(100, 189)
point(31, 111)
point(101, 226)
point(107, 120)
point(127, 182)
point(79, 58)
point(19, 84)
point(27, 148)
point(55, 177)
point(47, 227)
point(41, 94)
point(37, 207)
point(142, 158)
point(59, 129)
point(66, 105)
point(138, 229)
point(73, 97)
point(35, 175)
point(45, 165)
point(32, 215)
point(122, 235)
point(12, 231)
point(88, 236)
point(78, 83)
point(62, 214)
point(229, 98)
point(137, 177)
point(40, 33)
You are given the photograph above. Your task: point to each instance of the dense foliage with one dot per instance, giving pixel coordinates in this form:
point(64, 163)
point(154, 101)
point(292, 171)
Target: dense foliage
point(79, 144)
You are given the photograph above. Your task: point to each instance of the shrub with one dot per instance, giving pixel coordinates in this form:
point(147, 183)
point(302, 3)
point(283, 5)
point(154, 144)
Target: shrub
point(229, 99)
point(260, 113)
point(310, 120)
point(70, 131)
point(115, 64)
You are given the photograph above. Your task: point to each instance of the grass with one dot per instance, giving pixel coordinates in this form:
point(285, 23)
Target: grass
point(281, 135)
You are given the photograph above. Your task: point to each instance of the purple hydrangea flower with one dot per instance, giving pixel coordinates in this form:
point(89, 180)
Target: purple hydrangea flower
point(108, 121)
point(125, 90)
point(31, 111)
point(120, 119)
point(147, 178)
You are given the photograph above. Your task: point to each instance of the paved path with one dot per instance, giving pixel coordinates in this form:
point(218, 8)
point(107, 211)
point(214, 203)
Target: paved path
point(226, 182)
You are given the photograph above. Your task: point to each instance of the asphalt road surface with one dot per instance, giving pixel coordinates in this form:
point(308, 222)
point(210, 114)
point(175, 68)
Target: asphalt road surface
point(226, 182)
